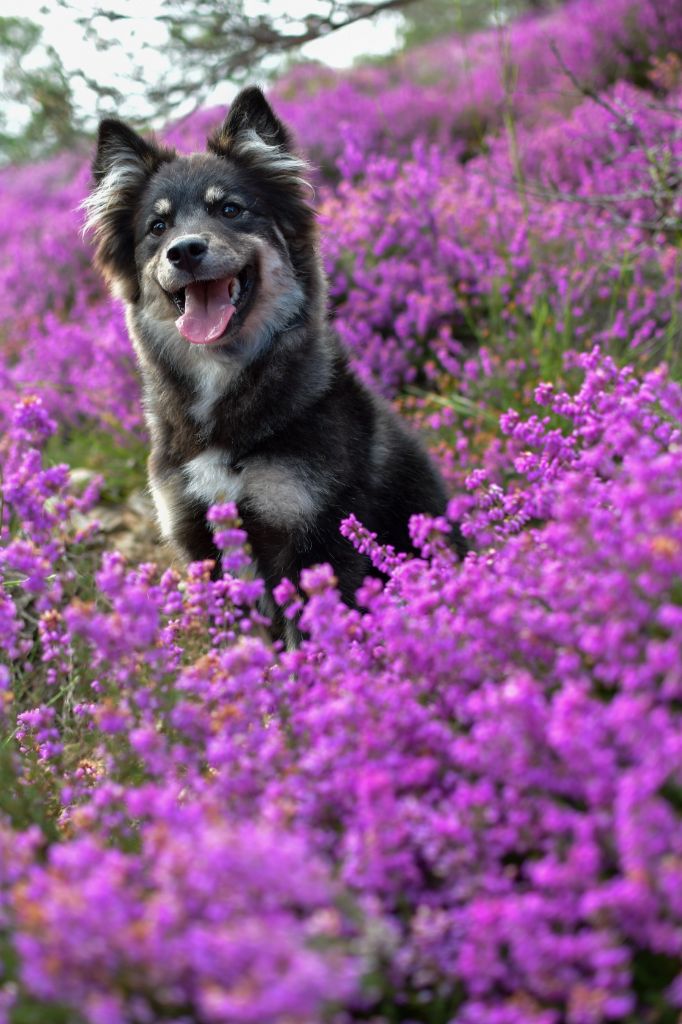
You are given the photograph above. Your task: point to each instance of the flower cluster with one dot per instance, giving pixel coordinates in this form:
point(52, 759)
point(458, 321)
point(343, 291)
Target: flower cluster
point(208, 921)
point(426, 256)
point(466, 790)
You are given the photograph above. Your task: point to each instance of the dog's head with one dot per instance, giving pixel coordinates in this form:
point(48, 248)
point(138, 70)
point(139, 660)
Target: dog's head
point(216, 249)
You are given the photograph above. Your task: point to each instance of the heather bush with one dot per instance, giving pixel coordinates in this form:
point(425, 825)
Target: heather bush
point(424, 253)
point(472, 751)
point(458, 802)
point(573, 241)
point(455, 92)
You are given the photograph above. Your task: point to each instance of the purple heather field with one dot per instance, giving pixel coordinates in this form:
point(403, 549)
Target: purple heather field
point(461, 801)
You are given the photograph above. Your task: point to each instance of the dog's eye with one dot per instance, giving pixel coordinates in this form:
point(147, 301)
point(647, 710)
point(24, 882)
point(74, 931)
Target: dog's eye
point(231, 210)
point(158, 227)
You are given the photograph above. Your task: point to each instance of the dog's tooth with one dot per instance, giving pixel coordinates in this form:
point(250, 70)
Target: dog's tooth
point(235, 289)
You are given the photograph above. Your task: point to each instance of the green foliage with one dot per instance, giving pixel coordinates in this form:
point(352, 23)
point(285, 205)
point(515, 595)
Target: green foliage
point(29, 1011)
point(39, 116)
point(22, 803)
point(120, 460)
point(431, 19)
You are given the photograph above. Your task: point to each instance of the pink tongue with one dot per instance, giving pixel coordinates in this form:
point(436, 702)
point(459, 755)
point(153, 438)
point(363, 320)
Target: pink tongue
point(208, 311)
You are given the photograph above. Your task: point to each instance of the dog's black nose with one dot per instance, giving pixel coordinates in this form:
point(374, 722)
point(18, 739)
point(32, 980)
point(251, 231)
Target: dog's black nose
point(187, 253)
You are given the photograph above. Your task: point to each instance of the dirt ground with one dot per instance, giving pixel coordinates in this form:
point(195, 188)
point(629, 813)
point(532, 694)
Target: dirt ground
point(131, 528)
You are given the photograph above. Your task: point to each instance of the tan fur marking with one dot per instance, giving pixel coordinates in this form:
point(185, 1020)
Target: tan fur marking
point(214, 195)
point(163, 207)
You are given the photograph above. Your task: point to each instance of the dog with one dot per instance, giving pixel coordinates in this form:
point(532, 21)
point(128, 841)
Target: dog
point(248, 395)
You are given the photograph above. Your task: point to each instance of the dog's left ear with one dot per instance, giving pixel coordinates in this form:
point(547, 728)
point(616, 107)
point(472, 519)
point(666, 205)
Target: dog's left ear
point(254, 137)
point(250, 112)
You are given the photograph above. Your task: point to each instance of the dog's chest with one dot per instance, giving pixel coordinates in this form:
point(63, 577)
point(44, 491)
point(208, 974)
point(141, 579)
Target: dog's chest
point(274, 491)
point(211, 479)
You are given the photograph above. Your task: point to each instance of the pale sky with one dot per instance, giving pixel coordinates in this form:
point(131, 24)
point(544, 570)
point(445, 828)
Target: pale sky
point(375, 36)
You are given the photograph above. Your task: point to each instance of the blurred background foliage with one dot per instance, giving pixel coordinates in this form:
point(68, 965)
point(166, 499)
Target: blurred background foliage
point(48, 106)
point(429, 19)
point(34, 79)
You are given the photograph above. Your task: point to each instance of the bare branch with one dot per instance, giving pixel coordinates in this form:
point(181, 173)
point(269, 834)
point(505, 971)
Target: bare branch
point(227, 43)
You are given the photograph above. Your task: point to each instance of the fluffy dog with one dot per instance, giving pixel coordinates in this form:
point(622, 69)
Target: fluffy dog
point(248, 395)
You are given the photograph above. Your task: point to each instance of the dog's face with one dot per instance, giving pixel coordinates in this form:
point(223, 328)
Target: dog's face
point(211, 250)
point(213, 266)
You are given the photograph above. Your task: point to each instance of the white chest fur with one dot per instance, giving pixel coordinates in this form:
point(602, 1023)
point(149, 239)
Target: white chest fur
point(277, 491)
point(210, 478)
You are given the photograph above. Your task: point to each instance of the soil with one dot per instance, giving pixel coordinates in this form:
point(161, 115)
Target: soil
point(131, 528)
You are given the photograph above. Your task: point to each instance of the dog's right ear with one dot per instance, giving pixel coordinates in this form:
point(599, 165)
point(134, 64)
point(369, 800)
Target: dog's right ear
point(124, 162)
point(120, 149)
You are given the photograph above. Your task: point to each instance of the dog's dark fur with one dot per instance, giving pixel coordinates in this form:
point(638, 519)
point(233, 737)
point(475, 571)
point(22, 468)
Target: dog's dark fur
point(269, 414)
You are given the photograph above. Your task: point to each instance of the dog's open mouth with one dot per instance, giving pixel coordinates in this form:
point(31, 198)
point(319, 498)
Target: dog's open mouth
point(207, 307)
